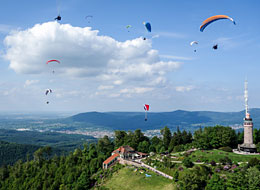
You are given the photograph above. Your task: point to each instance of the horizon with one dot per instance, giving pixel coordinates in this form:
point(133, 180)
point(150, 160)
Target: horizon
point(71, 113)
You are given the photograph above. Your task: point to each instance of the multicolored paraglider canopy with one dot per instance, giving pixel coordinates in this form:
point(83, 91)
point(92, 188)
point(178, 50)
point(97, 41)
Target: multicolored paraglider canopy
point(212, 19)
point(146, 107)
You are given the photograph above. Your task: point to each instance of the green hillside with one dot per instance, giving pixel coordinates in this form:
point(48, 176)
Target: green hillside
point(128, 179)
point(12, 152)
point(66, 142)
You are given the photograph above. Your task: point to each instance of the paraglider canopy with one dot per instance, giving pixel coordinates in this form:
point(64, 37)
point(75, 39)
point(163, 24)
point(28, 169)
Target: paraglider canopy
point(212, 19)
point(48, 91)
point(128, 26)
point(148, 26)
point(88, 17)
point(58, 17)
point(215, 46)
point(194, 42)
point(53, 60)
point(146, 107)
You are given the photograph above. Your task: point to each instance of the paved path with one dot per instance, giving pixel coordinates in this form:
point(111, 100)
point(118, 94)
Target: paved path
point(139, 163)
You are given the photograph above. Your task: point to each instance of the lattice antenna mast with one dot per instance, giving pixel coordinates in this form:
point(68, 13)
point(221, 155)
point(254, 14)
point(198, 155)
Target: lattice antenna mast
point(246, 98)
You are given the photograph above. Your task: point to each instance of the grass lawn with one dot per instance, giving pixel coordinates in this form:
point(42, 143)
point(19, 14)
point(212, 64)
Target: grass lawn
point(218, 154)
point(126, 179)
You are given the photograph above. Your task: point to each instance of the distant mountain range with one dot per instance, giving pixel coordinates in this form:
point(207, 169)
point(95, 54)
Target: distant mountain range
point(181, 118)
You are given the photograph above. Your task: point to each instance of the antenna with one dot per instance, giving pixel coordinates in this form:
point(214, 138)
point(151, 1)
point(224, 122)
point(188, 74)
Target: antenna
point(246, 97)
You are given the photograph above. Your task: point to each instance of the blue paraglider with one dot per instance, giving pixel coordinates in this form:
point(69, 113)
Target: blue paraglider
point(148, 26)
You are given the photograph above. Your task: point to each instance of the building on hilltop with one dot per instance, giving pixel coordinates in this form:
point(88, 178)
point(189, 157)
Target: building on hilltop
point(123, 152)
point(248, 145)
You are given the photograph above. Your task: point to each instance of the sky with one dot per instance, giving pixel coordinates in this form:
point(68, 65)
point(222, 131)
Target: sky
point(106, 67)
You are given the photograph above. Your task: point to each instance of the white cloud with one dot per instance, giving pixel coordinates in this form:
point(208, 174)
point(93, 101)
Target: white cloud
point(118, 82)
point(184, 88)
point(30, 82)
point(137, 90)
point(84, 53)
point(103, 87)
point(176, 57)
point(171, 35)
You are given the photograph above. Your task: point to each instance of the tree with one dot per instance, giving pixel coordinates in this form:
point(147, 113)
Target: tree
point(105, 146)
point(237, 179)
point(191, 179)
point(120, 137)
point(143, 147)
point(253, 176)
point(253, 162)
point(187, 162)
point(166, 133)
point(215, 183)
point(258, 147)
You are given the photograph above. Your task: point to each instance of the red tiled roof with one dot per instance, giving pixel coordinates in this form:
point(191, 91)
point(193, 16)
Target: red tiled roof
point(123, 149)
point(107, 161)
point(141, 153)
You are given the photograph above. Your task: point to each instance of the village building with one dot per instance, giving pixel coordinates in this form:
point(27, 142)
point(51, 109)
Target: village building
point(124, 153)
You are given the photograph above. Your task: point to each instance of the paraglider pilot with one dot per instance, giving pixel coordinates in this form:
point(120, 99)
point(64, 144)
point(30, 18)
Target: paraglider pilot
point(215, 46)
point(58, 17)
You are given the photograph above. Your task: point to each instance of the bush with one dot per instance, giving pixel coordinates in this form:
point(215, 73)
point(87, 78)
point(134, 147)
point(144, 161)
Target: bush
point(187, 163)
point(226, 149)
point(253, 162)
point(225, 161)
point(213, 163)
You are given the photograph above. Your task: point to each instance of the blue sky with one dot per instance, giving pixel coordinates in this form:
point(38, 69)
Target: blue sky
point(115, 70)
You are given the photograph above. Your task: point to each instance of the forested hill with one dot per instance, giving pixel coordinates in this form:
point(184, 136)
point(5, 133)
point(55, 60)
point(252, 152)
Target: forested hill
point(11, 152)
point(134, 120)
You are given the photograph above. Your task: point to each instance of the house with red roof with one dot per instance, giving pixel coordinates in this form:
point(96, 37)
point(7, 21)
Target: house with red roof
point(123, 152)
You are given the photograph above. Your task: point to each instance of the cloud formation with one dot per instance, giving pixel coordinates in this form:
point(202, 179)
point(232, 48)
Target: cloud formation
point(84, 53)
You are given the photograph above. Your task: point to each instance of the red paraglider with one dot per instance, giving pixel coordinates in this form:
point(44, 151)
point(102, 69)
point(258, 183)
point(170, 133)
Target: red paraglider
point(146, 108)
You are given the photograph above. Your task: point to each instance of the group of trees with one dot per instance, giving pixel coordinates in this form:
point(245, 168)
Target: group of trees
point(215, 137)
point(167, 141)
point(199, 177)
point(73, 171)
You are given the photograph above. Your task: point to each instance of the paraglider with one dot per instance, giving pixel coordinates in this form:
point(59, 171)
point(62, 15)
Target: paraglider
point(212, 19)
point(88, 17)
point(53, 60)
point(215, 47)
point(194, 42)
point(48, 91)
point(146, 108)
point(128, 26)
point(58, 17)
point(148, 26)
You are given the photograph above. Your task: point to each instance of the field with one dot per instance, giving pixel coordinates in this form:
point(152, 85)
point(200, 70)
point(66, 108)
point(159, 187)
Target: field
point(127, 178)
point(216, 155)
